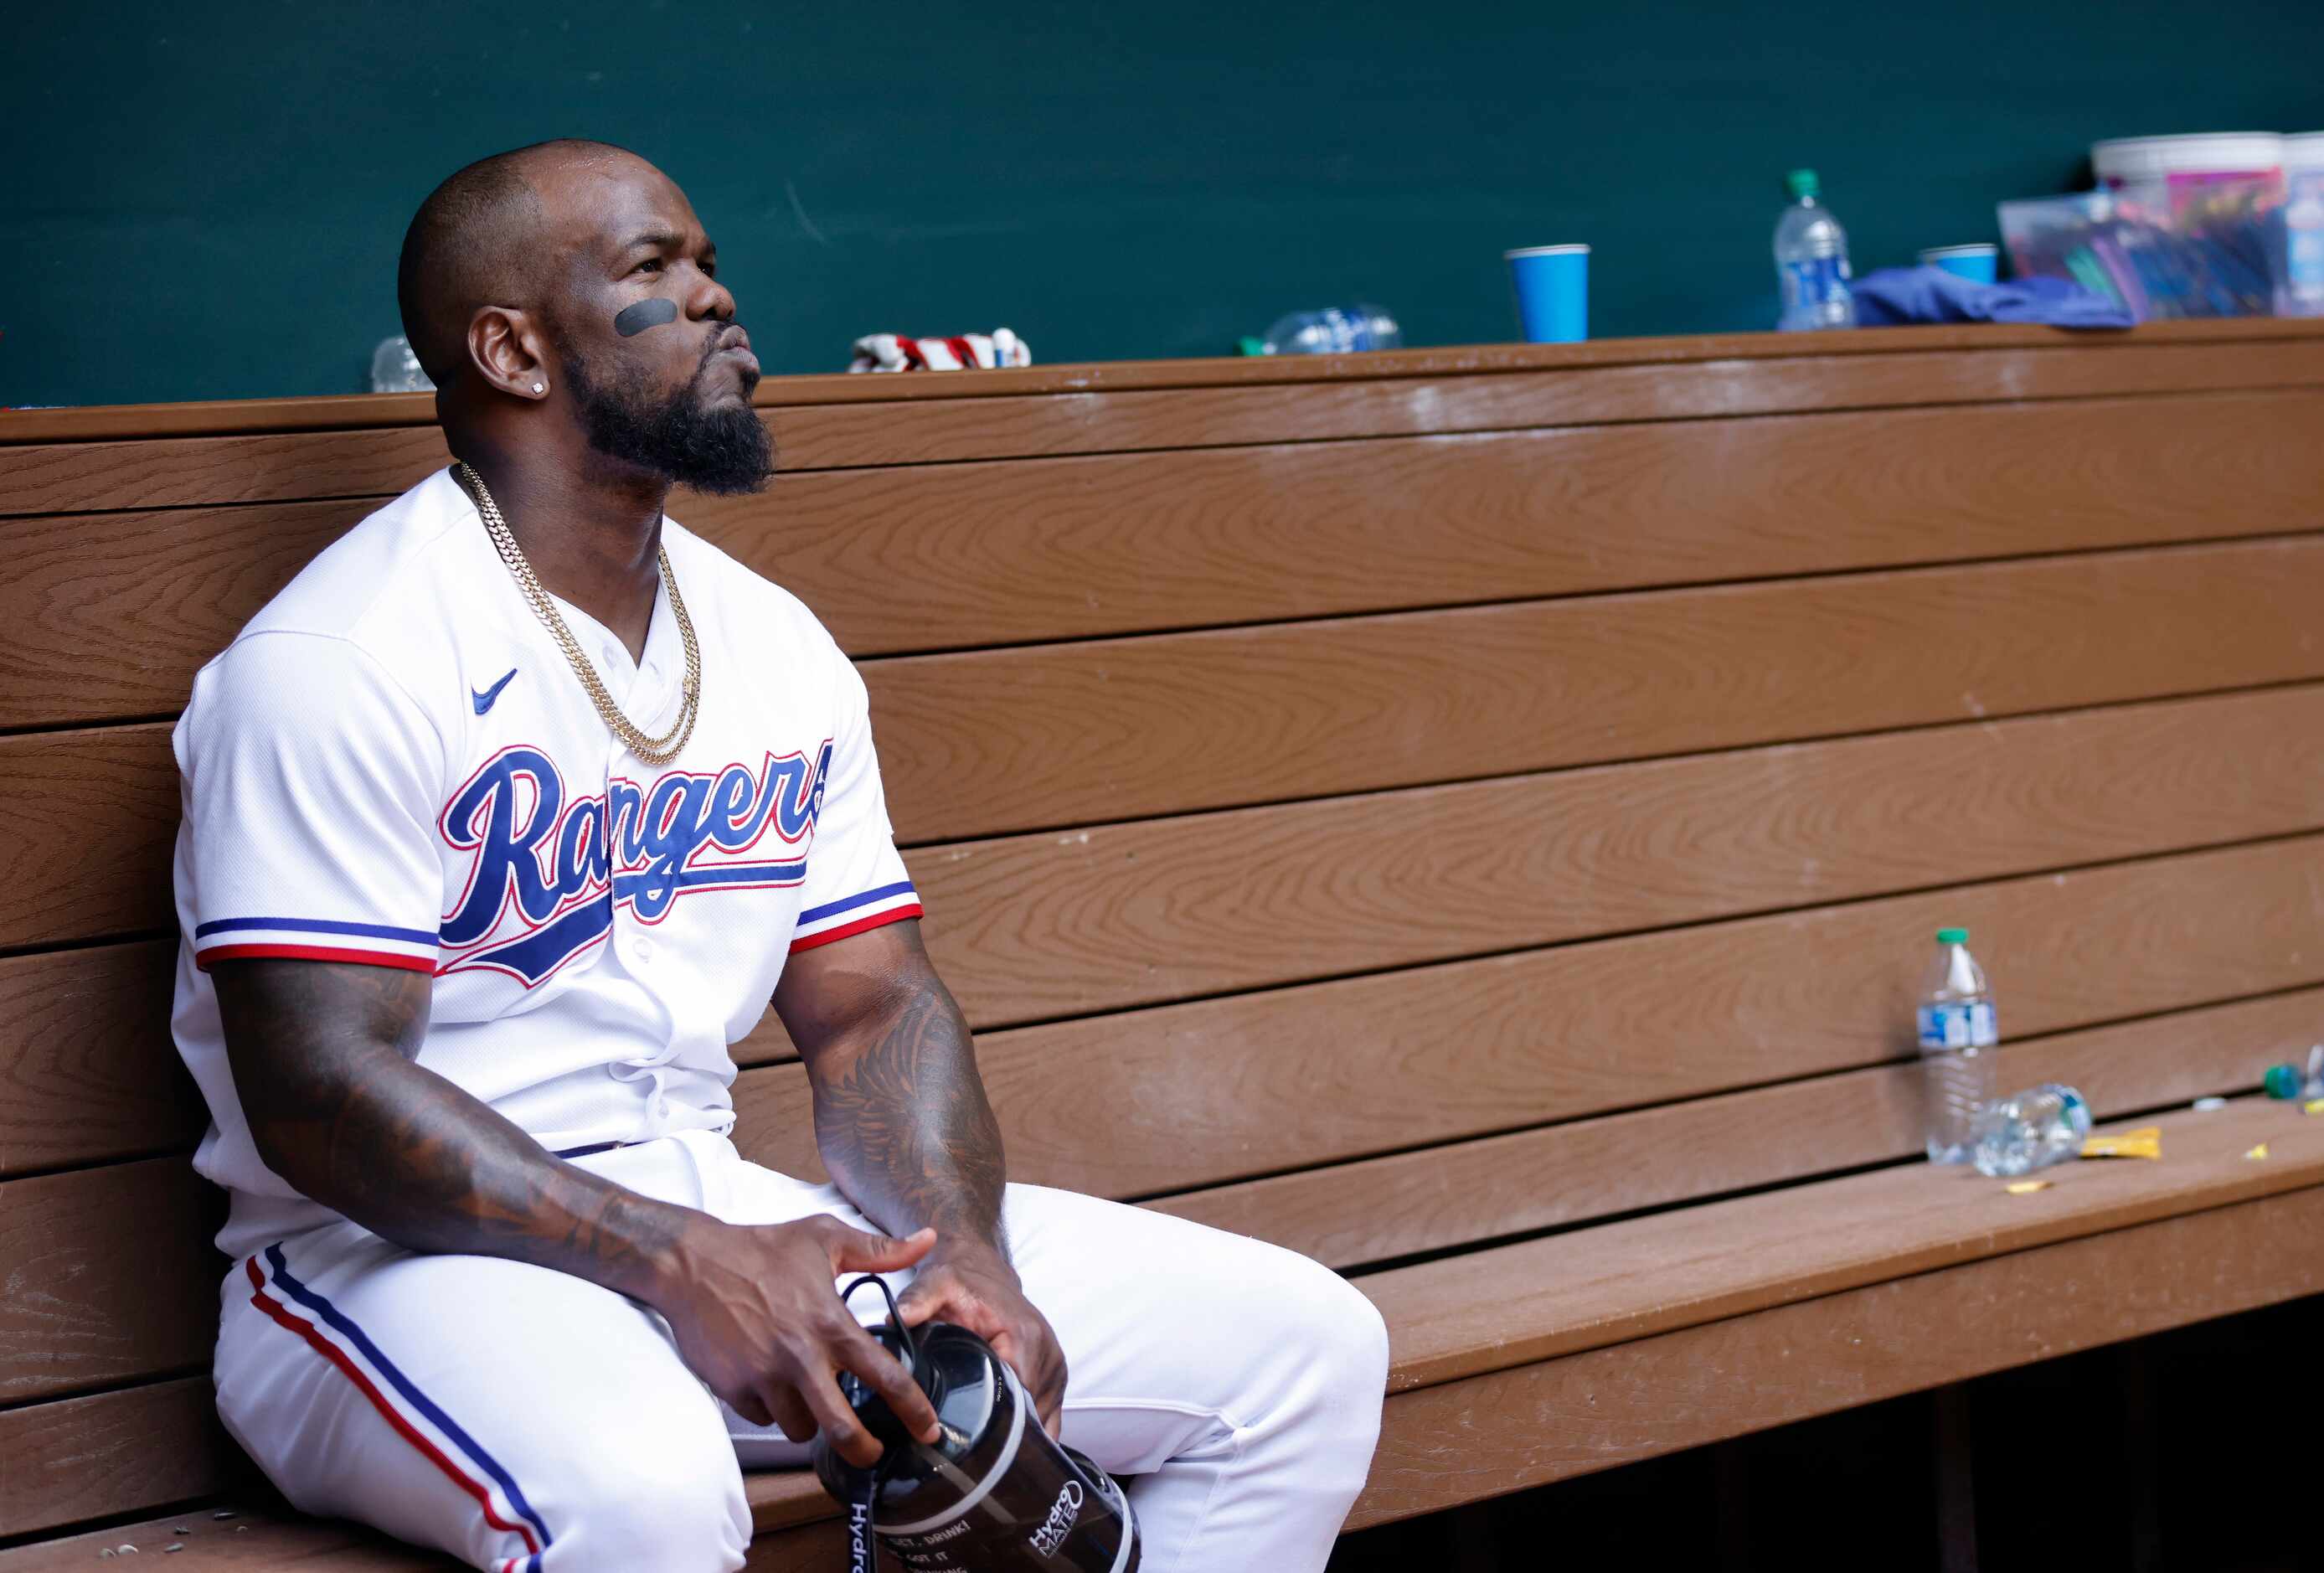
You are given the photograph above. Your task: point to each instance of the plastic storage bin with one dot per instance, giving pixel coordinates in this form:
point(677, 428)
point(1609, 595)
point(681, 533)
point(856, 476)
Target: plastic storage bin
point(2180, 226)
point(2222, 194)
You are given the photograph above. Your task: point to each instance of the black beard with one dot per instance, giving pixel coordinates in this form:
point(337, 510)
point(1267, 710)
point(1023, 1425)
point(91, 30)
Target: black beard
point(724, 450)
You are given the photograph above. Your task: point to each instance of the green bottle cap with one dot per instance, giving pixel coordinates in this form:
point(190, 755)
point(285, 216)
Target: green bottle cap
point(2282, 1081)
point(1802, 184)
point(1952, 936)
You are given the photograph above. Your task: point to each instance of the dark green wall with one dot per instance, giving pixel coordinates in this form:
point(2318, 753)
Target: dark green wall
point(205, 201)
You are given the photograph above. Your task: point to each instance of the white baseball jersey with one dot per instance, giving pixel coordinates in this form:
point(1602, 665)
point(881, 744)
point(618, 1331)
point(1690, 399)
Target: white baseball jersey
point(394, 764)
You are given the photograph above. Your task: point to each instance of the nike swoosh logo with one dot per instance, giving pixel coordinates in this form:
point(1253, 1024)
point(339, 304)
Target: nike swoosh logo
point(484, 697)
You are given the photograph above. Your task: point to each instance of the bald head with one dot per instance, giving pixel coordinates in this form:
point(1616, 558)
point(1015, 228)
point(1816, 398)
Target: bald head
point(476, 241)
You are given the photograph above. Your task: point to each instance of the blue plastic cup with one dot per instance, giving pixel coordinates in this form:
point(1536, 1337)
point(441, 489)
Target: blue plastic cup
point(1980, 264)
point(1553, 286)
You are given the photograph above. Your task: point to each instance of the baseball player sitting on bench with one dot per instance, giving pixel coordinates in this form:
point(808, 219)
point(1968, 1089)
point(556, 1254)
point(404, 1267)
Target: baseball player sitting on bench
point(503, 822)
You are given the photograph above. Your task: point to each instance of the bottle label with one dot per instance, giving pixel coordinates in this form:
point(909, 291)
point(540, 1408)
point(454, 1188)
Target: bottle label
point(1959, 1024)
point(1345, 333)
point(1818, 281)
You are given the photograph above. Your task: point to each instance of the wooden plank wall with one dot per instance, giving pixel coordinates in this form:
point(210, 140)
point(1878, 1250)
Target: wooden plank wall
point(1382, 805)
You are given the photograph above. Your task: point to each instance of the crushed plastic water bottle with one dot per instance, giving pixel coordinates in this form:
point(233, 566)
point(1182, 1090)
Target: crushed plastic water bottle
point(2032, 1131)
point(1336, 331)
point(1812, 261)
point(1959, 1036)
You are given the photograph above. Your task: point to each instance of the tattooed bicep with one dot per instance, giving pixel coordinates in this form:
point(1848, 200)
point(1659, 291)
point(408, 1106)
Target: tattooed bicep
point(274, 1010)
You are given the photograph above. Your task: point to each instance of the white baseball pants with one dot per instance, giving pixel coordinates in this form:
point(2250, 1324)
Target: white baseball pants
point(526, 1422)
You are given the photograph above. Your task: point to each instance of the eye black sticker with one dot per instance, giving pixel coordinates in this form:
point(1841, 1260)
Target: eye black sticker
point(635, 319)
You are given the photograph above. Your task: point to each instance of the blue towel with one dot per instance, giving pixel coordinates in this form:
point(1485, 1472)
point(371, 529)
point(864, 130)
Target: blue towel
point(1927, 294)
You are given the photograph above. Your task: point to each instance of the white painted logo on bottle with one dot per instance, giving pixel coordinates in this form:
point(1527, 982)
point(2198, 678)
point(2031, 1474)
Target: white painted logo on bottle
point(1060, 1522)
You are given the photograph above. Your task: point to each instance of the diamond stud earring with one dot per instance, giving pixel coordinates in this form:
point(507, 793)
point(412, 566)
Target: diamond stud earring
point(541, 387)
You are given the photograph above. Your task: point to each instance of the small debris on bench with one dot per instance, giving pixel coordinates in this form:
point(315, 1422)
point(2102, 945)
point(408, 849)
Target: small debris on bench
point(2146, 1142)
point(2026, 1187)
point(181, 1530)
point(223, 1512)
point(2314, 1105)
point(167, 1549)
point(2212, 1105)
point(2258, 1151)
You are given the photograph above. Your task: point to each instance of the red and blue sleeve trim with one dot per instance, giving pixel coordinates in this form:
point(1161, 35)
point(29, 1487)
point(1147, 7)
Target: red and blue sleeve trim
point(855, 914)
point(203, 959)
point(861, 926)
point(314, 939)
point(316, 926)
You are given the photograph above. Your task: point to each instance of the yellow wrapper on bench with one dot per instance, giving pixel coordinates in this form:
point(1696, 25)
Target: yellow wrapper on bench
point(2146, 1142)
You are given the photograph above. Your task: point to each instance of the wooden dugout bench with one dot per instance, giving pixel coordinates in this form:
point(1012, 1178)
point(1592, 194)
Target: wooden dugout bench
point(1476, 816)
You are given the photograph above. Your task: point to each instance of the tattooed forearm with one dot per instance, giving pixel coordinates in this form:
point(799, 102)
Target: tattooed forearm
point(905, 1128)
point(324, 1061)
point(900, 1115)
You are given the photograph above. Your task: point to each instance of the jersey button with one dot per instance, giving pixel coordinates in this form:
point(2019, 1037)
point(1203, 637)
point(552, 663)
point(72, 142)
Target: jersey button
point(642, 948)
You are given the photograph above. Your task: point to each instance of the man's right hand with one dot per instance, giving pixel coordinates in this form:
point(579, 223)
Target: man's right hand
point(756, 1316)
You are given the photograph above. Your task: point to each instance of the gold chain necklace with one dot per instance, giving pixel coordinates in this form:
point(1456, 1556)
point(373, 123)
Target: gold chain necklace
point(658, 750)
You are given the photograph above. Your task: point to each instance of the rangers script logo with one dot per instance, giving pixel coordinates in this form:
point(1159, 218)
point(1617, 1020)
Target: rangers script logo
point(548, 871)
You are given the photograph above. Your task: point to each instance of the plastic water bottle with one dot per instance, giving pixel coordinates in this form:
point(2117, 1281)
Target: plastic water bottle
point(394, 369)
point(1812, 261)
point(1958, 1040)
point(2032, 1131)
point(1334, 331)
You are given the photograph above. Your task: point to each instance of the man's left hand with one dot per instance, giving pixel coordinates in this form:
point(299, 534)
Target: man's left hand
point(974, 1287)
